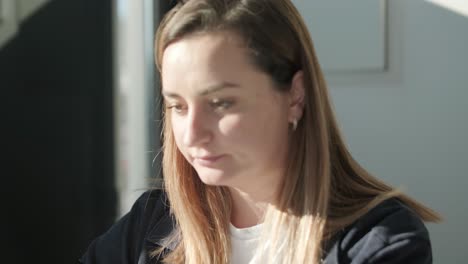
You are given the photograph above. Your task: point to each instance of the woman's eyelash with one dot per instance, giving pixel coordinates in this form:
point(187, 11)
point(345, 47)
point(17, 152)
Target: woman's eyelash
point(175, 107)
point(216, 104)
point(221, 104)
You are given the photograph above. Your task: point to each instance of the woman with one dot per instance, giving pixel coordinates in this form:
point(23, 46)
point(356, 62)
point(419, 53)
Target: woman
point(255, 169)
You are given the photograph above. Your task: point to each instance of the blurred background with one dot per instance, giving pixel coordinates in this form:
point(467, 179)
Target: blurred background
point(80, 127)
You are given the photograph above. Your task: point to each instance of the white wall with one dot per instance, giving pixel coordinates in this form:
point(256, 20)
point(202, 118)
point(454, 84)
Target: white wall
point(412, 131)
point(133, 72)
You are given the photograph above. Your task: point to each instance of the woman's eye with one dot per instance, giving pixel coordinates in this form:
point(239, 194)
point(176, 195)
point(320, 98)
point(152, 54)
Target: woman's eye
point(176, 108)
point(221, 104)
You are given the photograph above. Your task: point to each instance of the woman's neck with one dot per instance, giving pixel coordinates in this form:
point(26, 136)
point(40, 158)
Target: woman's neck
point(247, 209)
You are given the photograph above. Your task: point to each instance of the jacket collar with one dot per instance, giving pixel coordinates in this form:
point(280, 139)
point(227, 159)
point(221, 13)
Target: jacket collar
point(161, 230)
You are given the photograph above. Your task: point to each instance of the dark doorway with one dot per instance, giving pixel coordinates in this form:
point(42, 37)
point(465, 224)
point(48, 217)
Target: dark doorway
point(57, 132)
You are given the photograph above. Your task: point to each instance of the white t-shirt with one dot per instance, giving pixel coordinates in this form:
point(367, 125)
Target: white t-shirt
point(244, 243)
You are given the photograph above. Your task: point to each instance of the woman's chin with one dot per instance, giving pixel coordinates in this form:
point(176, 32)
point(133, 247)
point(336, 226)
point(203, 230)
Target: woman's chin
point(212, 177)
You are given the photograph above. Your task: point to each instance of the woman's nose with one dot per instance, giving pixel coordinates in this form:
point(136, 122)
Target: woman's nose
point(197, 130)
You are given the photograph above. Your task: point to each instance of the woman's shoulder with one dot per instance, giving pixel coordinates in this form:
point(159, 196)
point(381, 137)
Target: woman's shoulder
point(133, 234)
point(391, 232)
point(149, 210)
point(151, 202)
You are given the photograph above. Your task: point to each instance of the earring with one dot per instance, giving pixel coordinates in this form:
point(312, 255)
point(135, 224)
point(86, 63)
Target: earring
point(294, 123)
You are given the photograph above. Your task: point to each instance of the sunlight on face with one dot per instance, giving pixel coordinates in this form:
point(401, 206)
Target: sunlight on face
point(227, 118)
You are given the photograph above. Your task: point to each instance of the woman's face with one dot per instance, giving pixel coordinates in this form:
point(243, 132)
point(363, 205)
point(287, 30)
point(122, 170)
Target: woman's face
point(228, 120)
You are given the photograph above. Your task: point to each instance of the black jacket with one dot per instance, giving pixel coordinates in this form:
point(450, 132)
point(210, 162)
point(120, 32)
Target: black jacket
point(389, 233)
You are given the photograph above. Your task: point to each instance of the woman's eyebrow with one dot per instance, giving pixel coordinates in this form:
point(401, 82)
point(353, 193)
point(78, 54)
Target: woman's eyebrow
point(217, 87)
point(210, 89)
point(169, 94)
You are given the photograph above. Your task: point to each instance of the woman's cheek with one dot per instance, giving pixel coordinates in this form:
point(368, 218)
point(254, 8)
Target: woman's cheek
point(230, 125)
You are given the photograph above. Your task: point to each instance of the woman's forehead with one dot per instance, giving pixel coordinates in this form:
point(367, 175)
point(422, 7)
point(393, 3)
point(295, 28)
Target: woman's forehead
point(205, 61)
point(205, 47)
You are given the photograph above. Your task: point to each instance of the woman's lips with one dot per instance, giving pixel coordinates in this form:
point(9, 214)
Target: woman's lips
point(207, 161)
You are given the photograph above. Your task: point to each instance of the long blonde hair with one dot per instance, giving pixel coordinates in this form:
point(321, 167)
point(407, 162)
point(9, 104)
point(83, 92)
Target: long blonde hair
point(324, 190)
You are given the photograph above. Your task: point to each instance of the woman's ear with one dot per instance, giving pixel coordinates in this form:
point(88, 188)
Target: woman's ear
point(296, 97)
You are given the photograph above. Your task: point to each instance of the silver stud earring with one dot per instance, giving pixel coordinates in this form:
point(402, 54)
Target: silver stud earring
point(294, 123)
